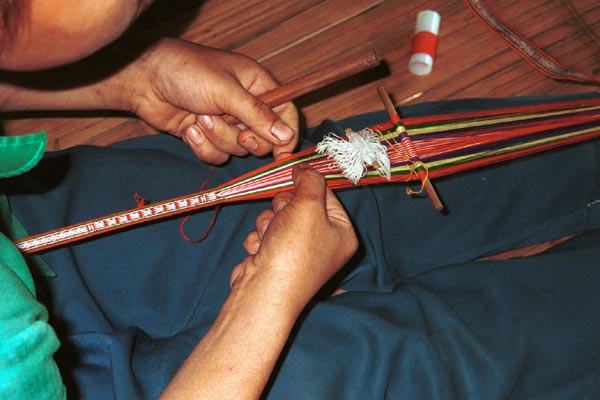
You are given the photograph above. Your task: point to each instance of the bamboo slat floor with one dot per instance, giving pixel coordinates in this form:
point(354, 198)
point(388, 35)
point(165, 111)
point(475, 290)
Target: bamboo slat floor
point(293, 37)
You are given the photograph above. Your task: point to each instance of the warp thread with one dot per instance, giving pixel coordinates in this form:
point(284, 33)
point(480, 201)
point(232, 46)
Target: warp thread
point(407, 152)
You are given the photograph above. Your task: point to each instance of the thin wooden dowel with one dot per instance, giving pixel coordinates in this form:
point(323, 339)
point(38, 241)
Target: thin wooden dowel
point(394, 116)
point(317, 79)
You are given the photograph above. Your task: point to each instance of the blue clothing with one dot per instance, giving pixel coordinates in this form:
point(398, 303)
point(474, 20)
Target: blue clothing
point(422, 318)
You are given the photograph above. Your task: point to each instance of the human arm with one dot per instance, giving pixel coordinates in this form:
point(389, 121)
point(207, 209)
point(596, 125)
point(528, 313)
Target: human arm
point(173, 85)
point(294, 250)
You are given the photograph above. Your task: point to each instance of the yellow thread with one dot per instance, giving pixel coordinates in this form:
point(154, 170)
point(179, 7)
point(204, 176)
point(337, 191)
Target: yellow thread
point(402, 154)
point(417, 192)
point(412, 165)
point(490, 120)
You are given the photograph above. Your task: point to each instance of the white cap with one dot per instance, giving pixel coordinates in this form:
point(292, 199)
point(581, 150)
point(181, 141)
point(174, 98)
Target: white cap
point(420, 64)
point(428, 21)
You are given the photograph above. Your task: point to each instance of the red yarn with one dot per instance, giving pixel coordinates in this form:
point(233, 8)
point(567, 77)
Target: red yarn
point(212, 220)
point(140, 200)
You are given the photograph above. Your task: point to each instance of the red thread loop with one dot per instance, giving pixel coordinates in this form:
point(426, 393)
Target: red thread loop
point(140, 200)
point(424, 42)
point(206, 232)
point(212, 220)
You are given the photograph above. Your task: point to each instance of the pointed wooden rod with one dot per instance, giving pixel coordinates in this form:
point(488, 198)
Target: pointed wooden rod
point(395, 117)
point(317, 79)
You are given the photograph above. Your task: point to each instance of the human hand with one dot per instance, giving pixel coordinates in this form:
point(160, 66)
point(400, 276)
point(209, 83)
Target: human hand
point(185, 89)
point(302, 242)
point(296, 247)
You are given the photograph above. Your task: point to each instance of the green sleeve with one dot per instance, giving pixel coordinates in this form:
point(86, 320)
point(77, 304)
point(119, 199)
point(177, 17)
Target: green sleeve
point(27, 341)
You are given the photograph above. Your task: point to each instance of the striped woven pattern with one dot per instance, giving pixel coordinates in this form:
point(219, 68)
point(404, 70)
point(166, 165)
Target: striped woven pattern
point(530, 52)
point(446, 144)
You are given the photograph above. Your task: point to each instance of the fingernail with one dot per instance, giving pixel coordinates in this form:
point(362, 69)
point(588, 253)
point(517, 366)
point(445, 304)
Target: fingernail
point(250, 143)
point(262, 227)
point(304, 166)
point(282, 131)
point(194, 135)
point(279, 204)
point(298, 168)
point(206, 121)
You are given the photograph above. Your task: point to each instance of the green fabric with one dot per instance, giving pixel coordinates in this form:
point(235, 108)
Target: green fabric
point(27, 341)
point(14, 230)
point(20, 153)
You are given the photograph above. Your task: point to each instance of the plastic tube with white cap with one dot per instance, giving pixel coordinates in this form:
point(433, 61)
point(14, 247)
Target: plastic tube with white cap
point(424, 44)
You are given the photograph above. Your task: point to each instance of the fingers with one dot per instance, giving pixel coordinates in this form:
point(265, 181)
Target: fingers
point(281, 200)
point(267, 129)
point(213, 140)
point(262, 130)
point(262, 222)
point(260, 118)
point(310, 187)
point(288, 112)
point(254, 238)
point(202, 147)
point(191, 86)
point(252, 243)
point(259, 146)
point(253, 143)
point(298, 241)
point(335, 210)
point(314, 195)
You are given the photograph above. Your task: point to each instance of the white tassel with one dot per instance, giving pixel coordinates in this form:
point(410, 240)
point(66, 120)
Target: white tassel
point(353, 156)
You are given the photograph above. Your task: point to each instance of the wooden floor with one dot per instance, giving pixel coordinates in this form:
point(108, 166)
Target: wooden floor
point(292, 36)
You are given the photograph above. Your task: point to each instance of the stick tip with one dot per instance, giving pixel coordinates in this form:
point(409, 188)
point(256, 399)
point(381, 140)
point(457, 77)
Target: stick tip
point(433, 196)
point(374, 59)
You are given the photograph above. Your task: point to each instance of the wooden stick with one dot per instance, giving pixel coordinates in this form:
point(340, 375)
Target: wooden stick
point(427, 185)
point(387, 102)
point(316, 79)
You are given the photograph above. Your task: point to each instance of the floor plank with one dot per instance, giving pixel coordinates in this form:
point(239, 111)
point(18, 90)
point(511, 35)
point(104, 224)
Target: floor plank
point(309, 23)
point(294, 36)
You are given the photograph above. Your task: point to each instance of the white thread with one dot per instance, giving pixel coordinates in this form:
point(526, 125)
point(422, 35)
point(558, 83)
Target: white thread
point(353, 156)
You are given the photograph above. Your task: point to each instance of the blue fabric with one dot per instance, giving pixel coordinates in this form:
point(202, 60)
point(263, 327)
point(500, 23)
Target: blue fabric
point(421, 318)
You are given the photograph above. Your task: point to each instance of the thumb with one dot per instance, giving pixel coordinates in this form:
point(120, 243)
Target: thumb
point(309, 183)
point(259, 117)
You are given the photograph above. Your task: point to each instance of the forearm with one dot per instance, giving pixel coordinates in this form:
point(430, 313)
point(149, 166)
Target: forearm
point(235, 358)
point(15, 98)
point(100, 82)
